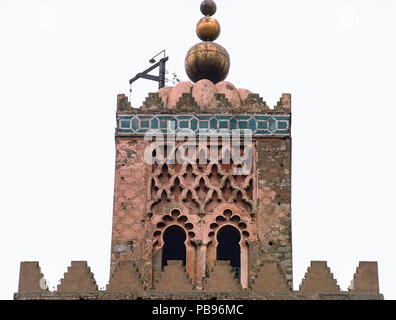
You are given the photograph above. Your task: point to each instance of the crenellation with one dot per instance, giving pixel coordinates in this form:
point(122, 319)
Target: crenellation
point(125, 278)
point(153, 101)
point(187, 103)
point(222, 101)
point(270, 278)
point(284, 104)
point(174, 278)
point(78, 278)
point(123, 104)
point(221, 278)
point(204, 97)
point(269, 282)
point(319, 279)
point(30, 278)
point(365, 279)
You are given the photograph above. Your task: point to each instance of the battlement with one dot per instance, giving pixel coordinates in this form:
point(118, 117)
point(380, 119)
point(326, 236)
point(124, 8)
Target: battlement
point(174, 283)
point(204, 97)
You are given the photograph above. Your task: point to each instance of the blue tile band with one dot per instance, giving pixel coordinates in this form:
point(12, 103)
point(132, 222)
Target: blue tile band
point(260, 125)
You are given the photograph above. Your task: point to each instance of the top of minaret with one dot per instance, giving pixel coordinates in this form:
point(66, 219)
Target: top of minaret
point(207, 65)
point(208, 8)
point(207, 60)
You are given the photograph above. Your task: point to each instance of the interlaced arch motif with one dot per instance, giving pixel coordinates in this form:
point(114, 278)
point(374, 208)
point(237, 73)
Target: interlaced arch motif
point(202, 186)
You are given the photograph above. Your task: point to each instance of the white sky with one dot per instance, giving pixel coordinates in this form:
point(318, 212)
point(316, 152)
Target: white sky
point(62, 63)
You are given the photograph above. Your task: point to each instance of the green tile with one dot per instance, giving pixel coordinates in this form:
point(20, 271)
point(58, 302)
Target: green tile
point(262, 117)
point(252, 124)
point(282, 125)
point(213, 123)
point(223, 117)
point(183, 117)
point(164, 124)
point(145, 124)
point(262, 124)
point(164, 117)
point(194, 124)
point(242, 124)
point(241, 117)
point(223, 124)
point(125, 117)
point(184, 124)
point(203, 124)
point(154, 124)
point(135, 124)
point(203, 117)
point(125, 124)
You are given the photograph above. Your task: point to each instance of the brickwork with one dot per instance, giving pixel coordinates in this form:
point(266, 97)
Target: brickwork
point(30, 278)
point(129, 202)
point(366, 278)
point(78, 278)
point(174, 278)
point(270, 278)
point(274, 204)
point(222, 279)
point(319, 279)
point(125, 278)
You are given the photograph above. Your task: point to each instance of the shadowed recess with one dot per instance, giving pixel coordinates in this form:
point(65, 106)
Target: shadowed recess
point(228, 247)
point(174, 247)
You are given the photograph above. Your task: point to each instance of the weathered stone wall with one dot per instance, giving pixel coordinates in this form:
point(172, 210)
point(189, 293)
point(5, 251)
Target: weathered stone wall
point(129, 202)
point(273, 205)
point(151, 197)
point(133, 229)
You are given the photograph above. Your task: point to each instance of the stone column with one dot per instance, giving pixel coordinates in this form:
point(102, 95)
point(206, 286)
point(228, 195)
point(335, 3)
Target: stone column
point(244, 265)
point(201, 264)
point(190, 261)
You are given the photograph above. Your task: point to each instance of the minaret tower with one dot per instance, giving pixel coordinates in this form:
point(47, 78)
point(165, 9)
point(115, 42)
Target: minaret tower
point(202, 197)
point(207, 212)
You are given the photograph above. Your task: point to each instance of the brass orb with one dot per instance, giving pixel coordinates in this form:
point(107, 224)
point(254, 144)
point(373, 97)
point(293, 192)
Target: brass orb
point(208, 8)
point(207, 60)
point(208, 29)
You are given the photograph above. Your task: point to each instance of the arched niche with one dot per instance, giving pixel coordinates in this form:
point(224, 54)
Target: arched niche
point(174, 218)
point(228, 247)
point(174, 248)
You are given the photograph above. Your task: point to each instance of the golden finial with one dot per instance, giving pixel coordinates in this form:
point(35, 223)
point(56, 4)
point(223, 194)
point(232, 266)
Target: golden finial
point(208, 8)
point(207, 60)
point(208, 29)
